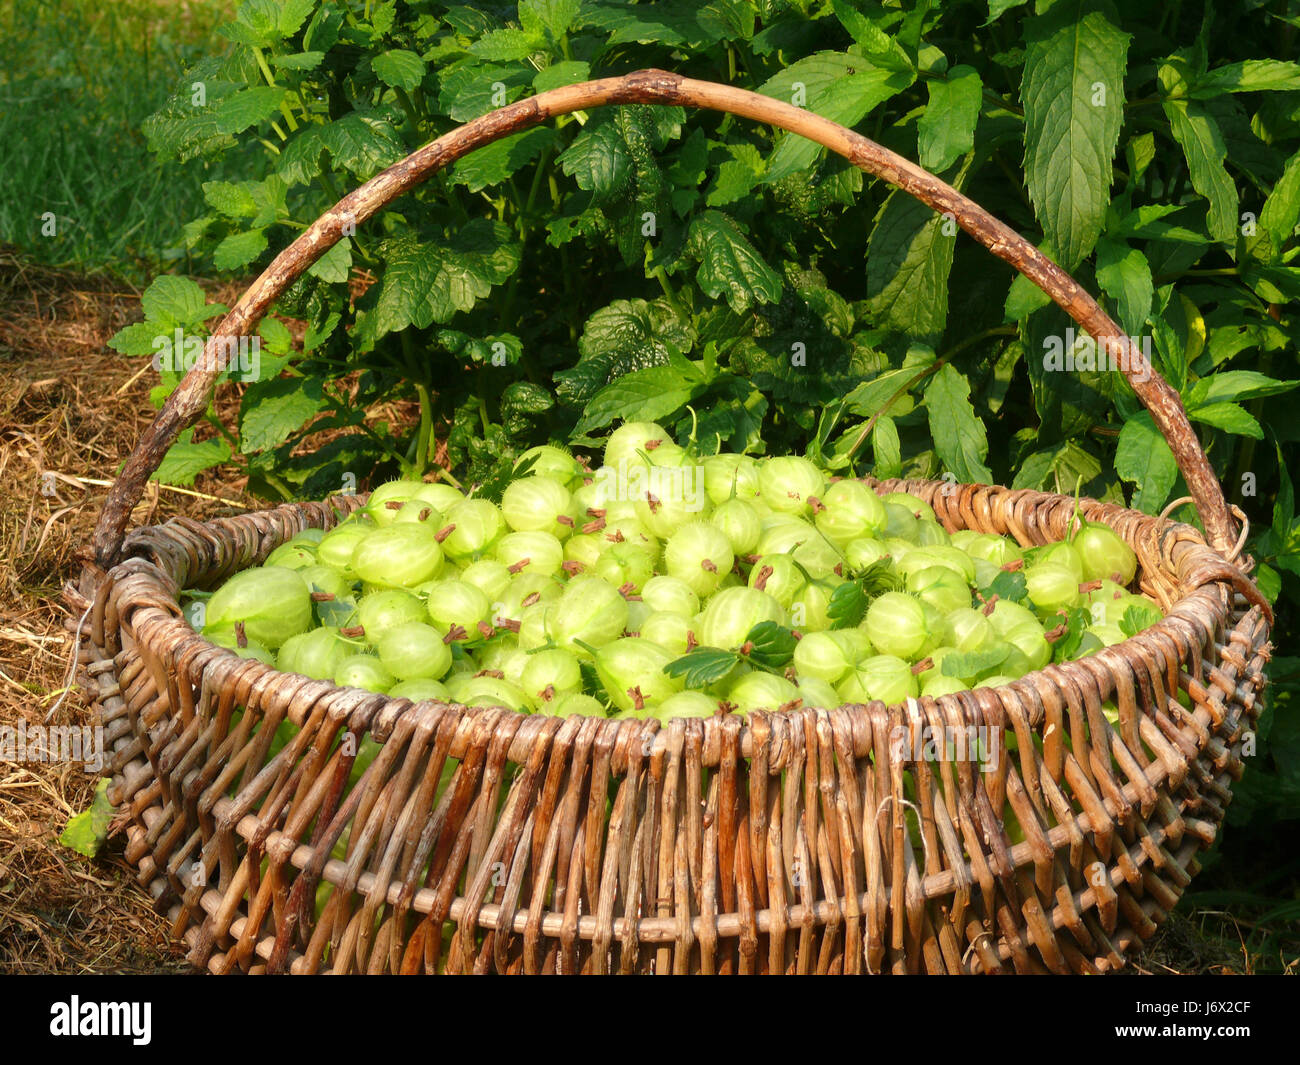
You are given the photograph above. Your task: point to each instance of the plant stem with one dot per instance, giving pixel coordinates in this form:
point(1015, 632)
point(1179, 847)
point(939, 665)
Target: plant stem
point(425, 435)
point(916, 379)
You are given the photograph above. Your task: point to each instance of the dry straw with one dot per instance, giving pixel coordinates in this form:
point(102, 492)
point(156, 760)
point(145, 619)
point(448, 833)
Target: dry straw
point(806, 841)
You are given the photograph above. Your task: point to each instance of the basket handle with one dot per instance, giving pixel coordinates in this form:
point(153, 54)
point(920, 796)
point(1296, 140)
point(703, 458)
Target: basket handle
point(190, 399)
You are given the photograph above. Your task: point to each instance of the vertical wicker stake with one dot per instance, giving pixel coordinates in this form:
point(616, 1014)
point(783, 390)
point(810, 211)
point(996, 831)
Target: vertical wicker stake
point(778, 843)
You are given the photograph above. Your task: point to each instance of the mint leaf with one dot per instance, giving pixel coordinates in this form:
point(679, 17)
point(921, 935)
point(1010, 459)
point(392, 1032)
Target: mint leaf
point(1282, 208)
point(1197, 130)
point(495, 162)
point(836, 85)
point(335, 265)
point(239, 249)
point(185, 461)
point(361, 144)
point(644, 395)
point(946, 130)
point(1250, 75)
point(272, 411)
point(1235, 386)
point(429, 282)
point(886, 451)
point(729, 265)
point(399, 68)
point(1144, 459)
point(598, 159)
point(1125, 276)
point(959, 437)
point(247, 108)
point(1229, 417)
point(1073, 95)
point(909, 258)
point(170, 301)
point(505, 45)
point(231, 199)
point(569, 72)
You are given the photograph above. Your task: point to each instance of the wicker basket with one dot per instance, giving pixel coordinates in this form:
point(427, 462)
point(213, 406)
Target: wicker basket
point(802, 841)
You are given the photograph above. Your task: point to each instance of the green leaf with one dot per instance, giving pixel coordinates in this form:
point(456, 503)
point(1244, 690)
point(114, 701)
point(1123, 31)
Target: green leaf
point(272, 411)
point(639, 24)
point(1235, 386)
point(1144, 459)
point(848, 602)
point(136, 339)
point(973, 663)
point(738, 175)
point(239, 249)
point(1125, 276)
point(1023, 298)
point(959, 437)
point(1073, 95)
point(946, 130)
point(886, 451)
point(507, 44)
point(359, 143)
point(247, 108)
point(171, 301)
point(1269, 582)
point(426, 282)
point(495, 162)
point(1282, 208)
point(703, 667)
point(231, 199)
point(293, 13)
point(556, 16)
point(1196, 129)
point(836, 85)
point(1229, 417)
point(644, 395)
point(297, 61)
point(598, 160)
point(1057, 468)
point(399, 68)
point(773, 645)
point(569, 72)
point(1008, 584)
point(87, 831)
point(998, 8)
point(729, 264)
point(883, 49)
point(1076, 621)
point(524, 397)
point(335, 266)
point(909, 258)
point(275, 335)
point(1138, 617)
point(184, 461)
point(1250, 75)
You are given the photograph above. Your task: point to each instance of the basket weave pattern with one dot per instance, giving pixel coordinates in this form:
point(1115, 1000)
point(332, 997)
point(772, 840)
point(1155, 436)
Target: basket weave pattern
point(803, 841)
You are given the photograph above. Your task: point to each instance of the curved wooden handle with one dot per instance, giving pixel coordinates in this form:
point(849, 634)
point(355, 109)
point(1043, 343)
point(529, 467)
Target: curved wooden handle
point(190, 399)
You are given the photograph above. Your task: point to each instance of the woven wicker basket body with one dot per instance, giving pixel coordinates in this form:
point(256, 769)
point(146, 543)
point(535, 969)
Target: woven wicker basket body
point(804, 841)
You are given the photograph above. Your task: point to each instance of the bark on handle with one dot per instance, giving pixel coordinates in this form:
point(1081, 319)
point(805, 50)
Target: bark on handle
point(190, 399)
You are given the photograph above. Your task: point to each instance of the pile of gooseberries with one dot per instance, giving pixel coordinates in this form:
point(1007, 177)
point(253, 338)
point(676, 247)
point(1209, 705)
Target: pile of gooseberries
point(662, 584)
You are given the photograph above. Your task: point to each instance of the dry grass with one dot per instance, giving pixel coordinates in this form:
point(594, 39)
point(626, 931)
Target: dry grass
point(71, 408)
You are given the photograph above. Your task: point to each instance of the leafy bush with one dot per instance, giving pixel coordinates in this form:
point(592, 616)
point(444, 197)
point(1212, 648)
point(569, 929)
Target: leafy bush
point(734, 283)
